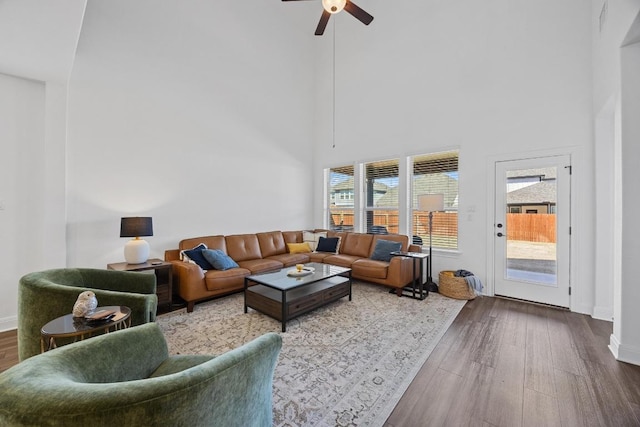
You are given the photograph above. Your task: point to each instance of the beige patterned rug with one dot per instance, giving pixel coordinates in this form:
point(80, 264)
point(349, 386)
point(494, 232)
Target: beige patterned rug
point(346, 364)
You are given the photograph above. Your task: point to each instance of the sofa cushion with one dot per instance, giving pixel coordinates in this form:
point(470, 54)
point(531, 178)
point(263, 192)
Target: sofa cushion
point(358, 244)
point(271, 243)
point(211, 242)
point(318, 256)
point(243, 247)
point(218, 259)
point(341, 260)
point(369, 268)
point(328, 244)
point(261, 265)
point(292, 236)
point(298, 248)
point(197, 257)
point(383, 249)
point(288, 260)
point(312, 238)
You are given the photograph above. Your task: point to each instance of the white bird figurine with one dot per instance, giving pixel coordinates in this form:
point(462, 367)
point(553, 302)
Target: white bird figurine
point(85, 304)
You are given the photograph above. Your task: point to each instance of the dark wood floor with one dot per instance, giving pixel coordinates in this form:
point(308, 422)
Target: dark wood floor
point(508, 363)
point(8, 349)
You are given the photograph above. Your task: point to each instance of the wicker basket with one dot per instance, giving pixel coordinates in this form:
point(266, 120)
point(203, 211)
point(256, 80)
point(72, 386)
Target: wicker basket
point(454, 287)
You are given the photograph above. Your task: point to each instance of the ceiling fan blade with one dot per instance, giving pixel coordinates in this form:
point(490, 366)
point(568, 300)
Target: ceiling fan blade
point(358, 13)
point(324, 19)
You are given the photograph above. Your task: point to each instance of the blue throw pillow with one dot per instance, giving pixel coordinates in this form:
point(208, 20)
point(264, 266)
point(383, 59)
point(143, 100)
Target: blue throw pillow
point(383, 249)
point(196, 256)
point(328, 244)
point(218, 259)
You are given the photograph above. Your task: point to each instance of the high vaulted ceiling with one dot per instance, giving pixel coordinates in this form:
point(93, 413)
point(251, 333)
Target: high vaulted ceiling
point(38, 38)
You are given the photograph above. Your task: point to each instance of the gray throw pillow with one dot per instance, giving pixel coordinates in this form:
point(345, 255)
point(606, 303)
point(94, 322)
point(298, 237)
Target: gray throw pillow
point(383, 249)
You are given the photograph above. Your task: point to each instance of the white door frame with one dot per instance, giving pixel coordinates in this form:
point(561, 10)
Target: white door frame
point(491, 202)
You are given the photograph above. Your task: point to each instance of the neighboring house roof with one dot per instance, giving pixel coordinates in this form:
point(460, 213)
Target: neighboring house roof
point(437, 183)
point(347, 185)
point(542, 192)
point(543, 173)
point(426, 184)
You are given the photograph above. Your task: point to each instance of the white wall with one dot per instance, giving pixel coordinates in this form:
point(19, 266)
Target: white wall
point(494, 79)
point(196, 113)
point(616, 90)
point(626, 334)
point(22, 187)
point(37, 45)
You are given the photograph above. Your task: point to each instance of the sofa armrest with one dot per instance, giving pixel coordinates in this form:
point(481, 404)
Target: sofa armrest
point(186, 275)
point(172, 255)
point(414, 248)
point(401, 267)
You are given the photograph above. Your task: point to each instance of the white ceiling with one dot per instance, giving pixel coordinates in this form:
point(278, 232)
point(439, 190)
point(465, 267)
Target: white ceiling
point(38, 38)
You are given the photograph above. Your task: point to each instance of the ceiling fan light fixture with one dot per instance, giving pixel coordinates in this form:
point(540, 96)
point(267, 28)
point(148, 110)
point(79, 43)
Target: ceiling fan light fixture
point(333, 6)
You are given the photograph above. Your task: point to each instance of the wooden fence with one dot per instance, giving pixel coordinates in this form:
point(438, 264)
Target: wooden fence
point(445, 224)
point(531, 227)
point(526, 227)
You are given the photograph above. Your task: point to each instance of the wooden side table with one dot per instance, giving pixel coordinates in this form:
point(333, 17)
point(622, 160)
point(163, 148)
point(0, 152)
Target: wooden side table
point(68, 326)
point(164, 276)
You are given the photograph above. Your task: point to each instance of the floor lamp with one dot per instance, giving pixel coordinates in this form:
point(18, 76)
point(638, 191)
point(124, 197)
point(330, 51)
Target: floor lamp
point(431, 203)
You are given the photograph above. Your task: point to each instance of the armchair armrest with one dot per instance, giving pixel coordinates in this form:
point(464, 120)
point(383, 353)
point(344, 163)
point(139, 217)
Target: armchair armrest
point(44, 296)
point(122, 281)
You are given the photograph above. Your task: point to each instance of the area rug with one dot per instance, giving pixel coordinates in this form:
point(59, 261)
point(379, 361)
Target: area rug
point(345, 364)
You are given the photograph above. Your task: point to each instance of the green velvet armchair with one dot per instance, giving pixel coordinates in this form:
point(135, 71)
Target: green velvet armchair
point(46, 295)
point(127, 378)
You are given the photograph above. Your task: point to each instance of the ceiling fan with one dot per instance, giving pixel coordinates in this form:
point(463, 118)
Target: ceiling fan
point(335, 6)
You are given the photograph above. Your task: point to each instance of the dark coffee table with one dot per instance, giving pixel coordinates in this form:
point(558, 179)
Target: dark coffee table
point(283, 297)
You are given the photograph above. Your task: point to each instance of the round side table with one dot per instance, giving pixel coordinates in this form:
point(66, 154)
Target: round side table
point(68, 326)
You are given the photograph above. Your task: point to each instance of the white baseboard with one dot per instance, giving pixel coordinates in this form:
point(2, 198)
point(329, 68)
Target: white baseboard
point(582, 309)
point(603, 313)
point(8, 323)
point(624, 353)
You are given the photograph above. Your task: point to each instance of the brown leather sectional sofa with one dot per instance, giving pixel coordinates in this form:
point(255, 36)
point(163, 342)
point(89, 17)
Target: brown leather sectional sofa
point(263, 252)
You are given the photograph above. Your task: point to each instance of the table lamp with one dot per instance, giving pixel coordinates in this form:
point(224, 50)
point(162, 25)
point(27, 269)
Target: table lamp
point(136, 251)
point(431, 203)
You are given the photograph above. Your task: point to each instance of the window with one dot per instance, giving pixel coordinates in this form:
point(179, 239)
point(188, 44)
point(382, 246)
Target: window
point(367, 197)
point(341, 200)
point(436, 173)
point(381, 195)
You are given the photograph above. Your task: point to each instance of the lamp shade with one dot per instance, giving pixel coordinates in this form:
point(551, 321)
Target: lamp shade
point(431, 202)
point(136, 226)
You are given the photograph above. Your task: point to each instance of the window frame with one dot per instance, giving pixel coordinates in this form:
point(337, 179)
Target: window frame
point(406, 198)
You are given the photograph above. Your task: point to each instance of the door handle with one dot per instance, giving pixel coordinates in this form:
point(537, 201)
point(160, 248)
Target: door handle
point(499, 234)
